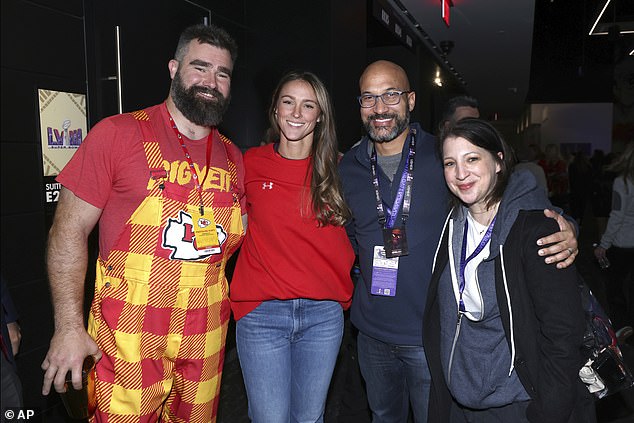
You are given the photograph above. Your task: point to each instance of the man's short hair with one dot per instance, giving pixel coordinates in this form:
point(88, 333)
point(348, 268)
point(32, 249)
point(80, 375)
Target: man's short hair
point(454, 103)
point(206, 34)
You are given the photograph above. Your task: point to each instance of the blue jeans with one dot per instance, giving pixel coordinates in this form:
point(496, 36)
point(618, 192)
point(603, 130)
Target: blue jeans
point(396, 377)
point(288, 350)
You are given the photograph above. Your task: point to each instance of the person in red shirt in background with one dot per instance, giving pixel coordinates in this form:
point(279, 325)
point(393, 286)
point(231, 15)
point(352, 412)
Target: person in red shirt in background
point(556, 170)
point(292, 279)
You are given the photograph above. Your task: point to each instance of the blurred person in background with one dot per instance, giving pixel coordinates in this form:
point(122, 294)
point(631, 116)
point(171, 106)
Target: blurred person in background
point(556, 170)
point(580, 174)
point(527, 156)
point(457, 108)
point(615, 252)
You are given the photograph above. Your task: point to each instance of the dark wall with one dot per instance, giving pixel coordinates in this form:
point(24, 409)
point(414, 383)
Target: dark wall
point(319, 37)
point(149, 33)
point(42, 47)
point(68, 45)
point(349, 58)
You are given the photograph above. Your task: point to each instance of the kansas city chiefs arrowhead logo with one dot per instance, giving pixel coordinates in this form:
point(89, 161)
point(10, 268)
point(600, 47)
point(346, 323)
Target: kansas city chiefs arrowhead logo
point(179, 237)
point(203, 223)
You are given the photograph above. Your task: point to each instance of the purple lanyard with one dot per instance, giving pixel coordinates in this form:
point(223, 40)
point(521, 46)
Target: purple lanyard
point(463, 262)
point(404, 193)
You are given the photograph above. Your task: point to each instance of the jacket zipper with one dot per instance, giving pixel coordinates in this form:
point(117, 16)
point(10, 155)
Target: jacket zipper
point(453, 348)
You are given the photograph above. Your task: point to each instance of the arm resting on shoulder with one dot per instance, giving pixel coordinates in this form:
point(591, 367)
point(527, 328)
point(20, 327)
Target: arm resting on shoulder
point(562, 245)
point(67, 261)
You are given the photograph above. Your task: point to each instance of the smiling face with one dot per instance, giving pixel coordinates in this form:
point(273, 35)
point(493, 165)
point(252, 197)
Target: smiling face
point(470, 172)
point(297, 112)
point(385, 123)
point(201, 83)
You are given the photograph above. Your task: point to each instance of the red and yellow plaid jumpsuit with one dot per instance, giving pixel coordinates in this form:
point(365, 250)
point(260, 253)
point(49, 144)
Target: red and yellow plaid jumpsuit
point(161, 309)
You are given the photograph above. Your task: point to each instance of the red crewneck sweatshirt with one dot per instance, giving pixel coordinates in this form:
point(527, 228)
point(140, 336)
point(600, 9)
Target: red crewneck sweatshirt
point(285, 254)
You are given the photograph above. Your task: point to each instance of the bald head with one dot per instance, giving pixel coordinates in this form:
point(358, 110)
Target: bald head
point(384, 70)
point(387, 124)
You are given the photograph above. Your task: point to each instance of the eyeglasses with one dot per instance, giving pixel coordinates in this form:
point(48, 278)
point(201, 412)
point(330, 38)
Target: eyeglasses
point(389, 98)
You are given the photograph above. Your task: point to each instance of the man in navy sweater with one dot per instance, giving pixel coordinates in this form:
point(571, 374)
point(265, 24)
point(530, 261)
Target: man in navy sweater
point(393, 182)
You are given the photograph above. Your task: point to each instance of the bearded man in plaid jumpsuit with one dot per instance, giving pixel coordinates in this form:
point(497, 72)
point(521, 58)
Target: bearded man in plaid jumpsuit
point(167, 191)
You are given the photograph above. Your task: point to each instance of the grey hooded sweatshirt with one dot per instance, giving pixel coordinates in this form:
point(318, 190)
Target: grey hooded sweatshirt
point(475, 354)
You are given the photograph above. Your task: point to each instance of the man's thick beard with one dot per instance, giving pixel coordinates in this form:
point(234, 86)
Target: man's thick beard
point(401, 124)
point(198, 111)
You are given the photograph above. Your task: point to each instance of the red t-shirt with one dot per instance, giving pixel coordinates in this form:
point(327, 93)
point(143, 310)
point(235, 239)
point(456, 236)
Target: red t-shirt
point(285, 254)
point(110, 169)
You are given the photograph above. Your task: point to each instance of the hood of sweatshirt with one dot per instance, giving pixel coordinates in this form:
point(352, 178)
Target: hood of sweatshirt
point(522, 193)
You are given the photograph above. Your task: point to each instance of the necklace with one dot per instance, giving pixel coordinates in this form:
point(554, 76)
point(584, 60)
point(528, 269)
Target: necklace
point(479, 227)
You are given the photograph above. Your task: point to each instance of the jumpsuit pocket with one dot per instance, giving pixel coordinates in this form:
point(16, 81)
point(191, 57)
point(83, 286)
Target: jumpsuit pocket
point(105, 284)
point(149, 212)
point(193, 275)
point(232, 221)
point(120, 269)
point(176, 192)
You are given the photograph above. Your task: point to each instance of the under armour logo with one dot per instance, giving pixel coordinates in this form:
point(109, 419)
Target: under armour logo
point(267, 185)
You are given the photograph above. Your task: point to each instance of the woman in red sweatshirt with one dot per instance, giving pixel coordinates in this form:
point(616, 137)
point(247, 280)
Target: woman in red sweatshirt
point(292, 279)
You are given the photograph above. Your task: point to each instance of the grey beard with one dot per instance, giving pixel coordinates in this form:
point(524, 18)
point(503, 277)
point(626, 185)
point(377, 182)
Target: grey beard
point(401, 125)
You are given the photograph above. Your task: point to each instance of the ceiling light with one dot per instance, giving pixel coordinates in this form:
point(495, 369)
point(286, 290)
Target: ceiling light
point(437, 79)
point(607, 2)
point(599, 17)
point(607, 33)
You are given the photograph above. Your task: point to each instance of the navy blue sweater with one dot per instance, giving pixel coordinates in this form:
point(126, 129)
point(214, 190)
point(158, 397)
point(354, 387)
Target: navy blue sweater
point(395, 320)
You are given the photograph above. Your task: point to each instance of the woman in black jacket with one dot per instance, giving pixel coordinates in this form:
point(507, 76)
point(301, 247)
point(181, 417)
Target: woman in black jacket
point(502, 329)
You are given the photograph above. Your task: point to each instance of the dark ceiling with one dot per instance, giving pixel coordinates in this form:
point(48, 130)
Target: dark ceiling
point(510, 53)
point(568, 65)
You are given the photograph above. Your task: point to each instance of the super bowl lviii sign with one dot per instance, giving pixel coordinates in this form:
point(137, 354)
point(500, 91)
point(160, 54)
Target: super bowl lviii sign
point(62, 127)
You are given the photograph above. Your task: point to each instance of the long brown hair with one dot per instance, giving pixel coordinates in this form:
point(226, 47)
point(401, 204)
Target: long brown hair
point(325, 188)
